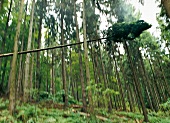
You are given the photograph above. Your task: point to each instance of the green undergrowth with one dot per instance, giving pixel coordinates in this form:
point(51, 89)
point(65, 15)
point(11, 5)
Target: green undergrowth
point(36, 113)
point(154, 117)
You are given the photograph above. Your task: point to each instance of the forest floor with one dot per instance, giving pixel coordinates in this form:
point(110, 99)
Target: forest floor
point(50, 112)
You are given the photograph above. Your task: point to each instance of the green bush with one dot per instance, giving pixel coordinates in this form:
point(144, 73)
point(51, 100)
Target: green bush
point(165, 106)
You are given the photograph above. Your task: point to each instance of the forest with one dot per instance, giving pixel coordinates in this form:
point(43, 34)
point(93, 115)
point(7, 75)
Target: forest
point(59, 64)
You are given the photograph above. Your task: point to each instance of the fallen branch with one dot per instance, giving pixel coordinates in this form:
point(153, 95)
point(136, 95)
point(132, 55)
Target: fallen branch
point(97, 116)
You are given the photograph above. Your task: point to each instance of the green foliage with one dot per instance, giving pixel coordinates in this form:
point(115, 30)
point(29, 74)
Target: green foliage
point(126, 31)
point(25, 112)
point(165, 106)
point(131, 115)
point(58, 97)
point(33, 114)
point(110, 91)
point(3, 104)
point(102, 111)
point(120, 32)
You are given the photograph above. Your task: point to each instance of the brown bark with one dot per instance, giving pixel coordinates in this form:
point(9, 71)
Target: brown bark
point(137, 84)
point(21, 64)
point(120, 86)
point(87, 60)
point(119, 82)
point(52, 75)
point(159, 81)
point(151, 94)
point(27, 63)
point(156, 86)
point(96, 76)
point(13, 66)
point(31, 73)
point(126, 82)
point(146, 87)
point(166, 4)
point(65, 96)
point(165, 82)
point(47, 72)
point(38, 75)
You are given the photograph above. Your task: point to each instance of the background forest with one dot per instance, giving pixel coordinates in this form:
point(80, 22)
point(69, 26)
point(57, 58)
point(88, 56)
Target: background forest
point(58, 64)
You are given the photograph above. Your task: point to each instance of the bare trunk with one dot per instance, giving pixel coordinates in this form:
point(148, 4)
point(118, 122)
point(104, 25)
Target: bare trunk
point(20, 71)
point(148, 84)
point(65, 96)
point(165, 83)
point(31, 73)
point(156, 87)
point(120, 85)
point(137, 84)
point(14, 61)
point(52, 75)
point(38, 76)
point(27, 63)
point(87, 60)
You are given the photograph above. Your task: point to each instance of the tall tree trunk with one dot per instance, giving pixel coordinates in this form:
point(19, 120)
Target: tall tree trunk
point(120, 85)
point(48, 87)
point(38, 73)
point(104, 75)
point(65, 99)
point(14, 61)
point(20, 74)
point(96, 71)
point(145, 86)
point(156, 86)
point(129, 96)
point(127, 86)
point(159, 80)
point(137, 84)
point(148, 84)
point(27, 63)
point(52, 74)
point(87, 60)
point(167, 88)
point(80, 62)
point(21, 64)
point(31, 72)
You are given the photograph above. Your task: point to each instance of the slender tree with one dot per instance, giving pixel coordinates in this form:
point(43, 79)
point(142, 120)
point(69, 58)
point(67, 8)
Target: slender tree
point(27, 63)
point(80, 61)
point(13, 65)
point(136, 83)
point(86, 59)
point(65, 96)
